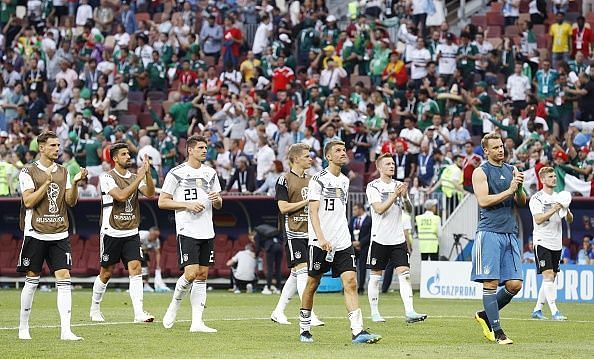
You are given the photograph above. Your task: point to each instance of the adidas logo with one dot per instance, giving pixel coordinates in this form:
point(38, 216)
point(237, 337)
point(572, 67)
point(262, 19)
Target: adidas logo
point(502, 177)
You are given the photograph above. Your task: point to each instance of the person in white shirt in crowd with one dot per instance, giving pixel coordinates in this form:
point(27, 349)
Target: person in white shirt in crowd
point(270, 127)
point(458, 136)
point(224, 164)
point(484, 48)
point(250, 136)
point(83, 13)
point(263, 33)
point(87, 190)
point(146, 148)
point(518, 85)
point(524, 128)
point(311, 141)
point(244, 267)
point(412, 135)
point(446, 57)
point(265, 157)
point(419, 57)
point(332, 76)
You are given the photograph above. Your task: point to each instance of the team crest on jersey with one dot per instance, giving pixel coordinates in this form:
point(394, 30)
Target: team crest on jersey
point(543, 263)
point(373, 261)
point(186, 257)
point(105, 257)
point(486, 269)
point(298, 255)
point(317, 265)
point(26, 262)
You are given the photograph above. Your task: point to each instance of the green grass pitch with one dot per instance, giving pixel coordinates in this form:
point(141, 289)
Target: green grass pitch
point(245, 330)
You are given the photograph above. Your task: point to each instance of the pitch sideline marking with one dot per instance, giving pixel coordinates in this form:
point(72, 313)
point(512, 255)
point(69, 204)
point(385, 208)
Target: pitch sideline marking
point(268, 318)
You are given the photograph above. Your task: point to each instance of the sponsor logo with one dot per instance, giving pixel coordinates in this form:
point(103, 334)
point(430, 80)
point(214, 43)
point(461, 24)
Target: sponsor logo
point(542, 263)
point(185, 257)
point(435, 287)
point(49, 219)
point(373, 261)
point(129, 207)
point(298, 255)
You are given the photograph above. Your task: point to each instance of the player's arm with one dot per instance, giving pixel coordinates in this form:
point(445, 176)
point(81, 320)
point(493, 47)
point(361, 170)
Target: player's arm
point(122, 194)
point(32, 197)
point(540, 218)
point(72, 192)
point(569, 216)
point(149, 189)
point(282, 198)
point(520, 195)
point(314, 209)
point(481, 190)
point(409, 242)
point(381, 207)
point(288, 207)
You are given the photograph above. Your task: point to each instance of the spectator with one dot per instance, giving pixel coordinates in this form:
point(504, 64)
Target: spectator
point(269, 185)
point(264, 159)
point(517, 87)
point(446, 57)
point(420, 57)
point(538, 11)
point(584, 256)
point(150, 245)
point(86, 190)
point(545, 79)
point(471, 162)
point(561, 33)
point(243, 178)
point(528, 255)
point(360, 228)
point(146, 148)
point(511, 11)
point(127, 18)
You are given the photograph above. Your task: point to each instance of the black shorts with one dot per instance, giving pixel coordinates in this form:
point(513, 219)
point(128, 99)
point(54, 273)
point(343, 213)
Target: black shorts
point(194, 251)
point(379, 255)
point(34, 252)
point(114, 249)
point(546, 259)
point(296, 251)
point(344, 261)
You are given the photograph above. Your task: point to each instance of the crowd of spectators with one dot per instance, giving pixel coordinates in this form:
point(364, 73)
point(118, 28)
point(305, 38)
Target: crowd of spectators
point(255, 77)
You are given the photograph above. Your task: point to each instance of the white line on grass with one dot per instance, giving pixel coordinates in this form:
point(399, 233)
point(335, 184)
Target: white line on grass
point(268, 318)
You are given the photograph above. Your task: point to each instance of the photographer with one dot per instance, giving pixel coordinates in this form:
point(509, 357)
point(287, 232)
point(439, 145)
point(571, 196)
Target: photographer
point(150, 243)
point(244, 266)
point(269, 239)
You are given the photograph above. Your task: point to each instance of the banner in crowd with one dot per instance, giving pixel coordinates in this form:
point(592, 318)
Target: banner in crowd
point(451, 280)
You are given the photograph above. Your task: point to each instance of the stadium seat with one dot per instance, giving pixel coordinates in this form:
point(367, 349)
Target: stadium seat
point(240, 243)
point(495, 7)
point(9, 255)
point(156, 95)
point(479, 20)
point(512, 30)
point(143, 16)
point(156, 106)
point(364, 79)
point(495, 19)
point(524, 6)
point(135, 96)
point(166, 106)
point(543, 41)
point(128, 120)
point(495, 30)
point(145, 120)
point(134, 108)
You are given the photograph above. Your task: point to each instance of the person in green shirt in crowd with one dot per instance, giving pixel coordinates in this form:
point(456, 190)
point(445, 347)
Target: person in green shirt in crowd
point(467, 55)
point(482, 103)
point(380, 59)
point(261, 101)
point(563, 103)
point(168, 151)
point(306, 39)
point(330, 31)
point(512, 129)
point(157, 73)
point(166, 50)
point(580, 166)
point(179, 111)
point(92, 150)
point(196, 62)
point(425, 109)
point(7, 9)
point(279, 45)
point(123, 61)
point(166, 124)
point(5, 175)
point(70, 164)
point(136, 69)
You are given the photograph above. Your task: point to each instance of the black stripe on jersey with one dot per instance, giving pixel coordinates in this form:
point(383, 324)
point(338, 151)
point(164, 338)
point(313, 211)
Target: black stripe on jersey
point(178, 167)
point(282, 180)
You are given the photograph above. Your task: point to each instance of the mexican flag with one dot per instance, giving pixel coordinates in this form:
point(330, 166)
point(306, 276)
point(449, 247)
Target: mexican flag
point(565, 182)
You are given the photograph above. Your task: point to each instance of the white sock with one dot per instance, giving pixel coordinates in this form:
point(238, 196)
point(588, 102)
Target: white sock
point(98, 291)
point(289, 290)
point(27, 294)
point(373, 289)
point(541, 298)
point(64, 287)
point(301, 276)
point(406, 292)
point(136, 294)
point(181, 288)
point(304, 320)
point(550, 290)
point(356, 319)
point(198, 300)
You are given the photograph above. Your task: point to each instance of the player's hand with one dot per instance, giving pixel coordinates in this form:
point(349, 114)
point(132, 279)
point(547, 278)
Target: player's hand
point(214, 196)
point(357, 245)
point(195, 207)
point(557, 206)
point(49, 171)
point(402, 189)
point(513, 187)
point(82, 175)
point(325, 245)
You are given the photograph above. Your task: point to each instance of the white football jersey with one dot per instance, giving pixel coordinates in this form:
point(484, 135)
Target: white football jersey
point(547, 234)
point(106, 184)
point(386, 228)
point(187, 184)
point(332, 192)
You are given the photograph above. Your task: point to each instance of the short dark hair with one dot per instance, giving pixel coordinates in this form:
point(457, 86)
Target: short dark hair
point(194, 139)
point(45, 135)
point(113, 150)
point(330, 145)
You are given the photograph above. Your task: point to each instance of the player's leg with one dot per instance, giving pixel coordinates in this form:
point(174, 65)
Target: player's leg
point(345, 267)
point(198, 292)
point(541, 300)
point(485, 269)
point(376, 261)
point(31, 259)
point(132, 256)
point(110, 254)
point(316, 267)
point(401, 259)
point(99, 287)
point(60, 262)
point(510, 271)
point(550, 287)
point(188, 263)
point(288, 291)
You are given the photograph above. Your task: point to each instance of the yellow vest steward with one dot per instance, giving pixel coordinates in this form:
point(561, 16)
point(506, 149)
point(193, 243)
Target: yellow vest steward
point(451, 175)
point(427, 229)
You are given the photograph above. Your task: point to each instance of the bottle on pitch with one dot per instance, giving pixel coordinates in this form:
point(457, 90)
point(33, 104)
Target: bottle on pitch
point(330, 256)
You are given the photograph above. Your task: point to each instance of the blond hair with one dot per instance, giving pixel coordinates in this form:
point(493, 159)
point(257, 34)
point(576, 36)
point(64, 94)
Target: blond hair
point(296, 150)
point(489, 136)
point(381, 157)
point(545, 171)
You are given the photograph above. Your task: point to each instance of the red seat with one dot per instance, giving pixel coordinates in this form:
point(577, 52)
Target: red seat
point(240, 243)
point(9, 257)
point(142, 16)
point(145, 120)
point(510, 30)
point(134, 108)
point(135, 96)
point(496, 30)
point(156, 96)
point(494, 18)
point(539, 29)
point(479, 20)
point(128, 120)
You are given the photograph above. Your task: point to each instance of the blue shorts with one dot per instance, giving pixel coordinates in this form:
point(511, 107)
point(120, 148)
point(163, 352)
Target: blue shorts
point(496, 256)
